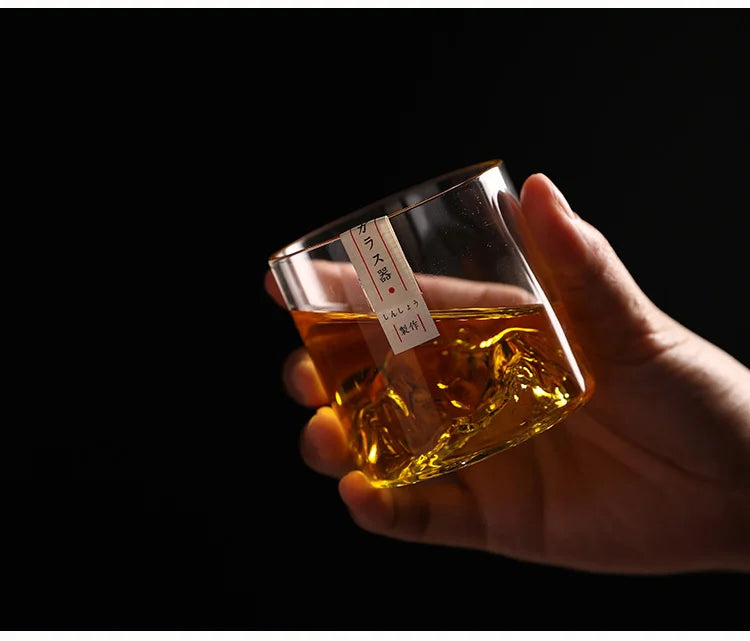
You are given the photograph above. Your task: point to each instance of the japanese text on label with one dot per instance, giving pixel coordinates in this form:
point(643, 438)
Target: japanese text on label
point(389, 284)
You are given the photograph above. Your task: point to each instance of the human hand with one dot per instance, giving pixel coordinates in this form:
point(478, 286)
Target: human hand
point(651, 476)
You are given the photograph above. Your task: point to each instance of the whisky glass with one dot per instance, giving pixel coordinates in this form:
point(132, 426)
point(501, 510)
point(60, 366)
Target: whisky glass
point(434, 341)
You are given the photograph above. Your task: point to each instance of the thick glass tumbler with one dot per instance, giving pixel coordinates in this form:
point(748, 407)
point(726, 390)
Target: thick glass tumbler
point(433, 339)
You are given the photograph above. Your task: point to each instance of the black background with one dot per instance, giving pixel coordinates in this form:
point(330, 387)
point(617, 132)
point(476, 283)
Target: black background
point(151, 462)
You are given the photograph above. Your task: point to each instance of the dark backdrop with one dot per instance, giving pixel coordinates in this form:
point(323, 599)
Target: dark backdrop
point(154, 467)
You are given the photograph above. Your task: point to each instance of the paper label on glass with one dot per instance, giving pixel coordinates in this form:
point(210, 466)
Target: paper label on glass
point(389, 284)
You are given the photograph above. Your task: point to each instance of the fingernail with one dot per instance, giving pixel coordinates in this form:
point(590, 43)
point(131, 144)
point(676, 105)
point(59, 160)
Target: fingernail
point(308, 450)
point(562, 202)
point(289, 374)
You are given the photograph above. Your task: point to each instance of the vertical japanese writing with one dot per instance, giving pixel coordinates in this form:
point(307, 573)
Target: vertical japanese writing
point(389, 283)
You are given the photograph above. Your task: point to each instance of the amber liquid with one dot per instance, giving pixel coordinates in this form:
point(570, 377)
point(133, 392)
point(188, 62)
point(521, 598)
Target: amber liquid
point(492, 379)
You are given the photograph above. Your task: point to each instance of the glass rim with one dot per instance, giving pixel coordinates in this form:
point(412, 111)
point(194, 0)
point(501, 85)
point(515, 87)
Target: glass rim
point(470, 173)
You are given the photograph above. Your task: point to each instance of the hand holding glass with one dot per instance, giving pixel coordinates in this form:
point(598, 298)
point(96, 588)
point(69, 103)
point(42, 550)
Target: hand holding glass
point(433, 339)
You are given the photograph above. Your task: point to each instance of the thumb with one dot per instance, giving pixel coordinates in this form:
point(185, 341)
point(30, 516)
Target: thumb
point(603, 308)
